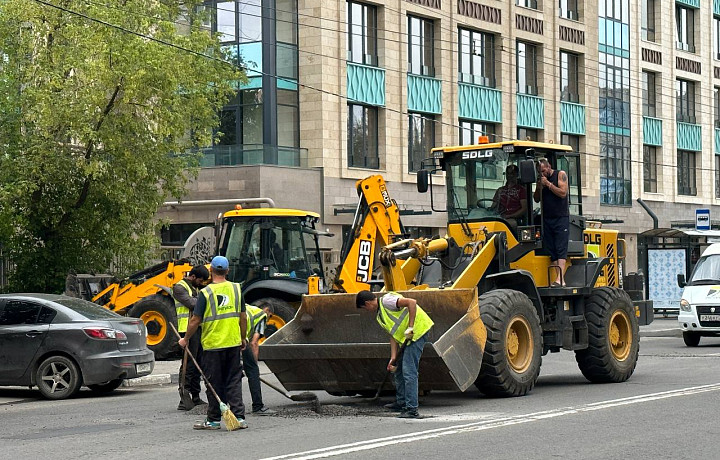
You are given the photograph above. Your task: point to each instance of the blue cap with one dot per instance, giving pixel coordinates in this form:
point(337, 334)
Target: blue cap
point(220, 263)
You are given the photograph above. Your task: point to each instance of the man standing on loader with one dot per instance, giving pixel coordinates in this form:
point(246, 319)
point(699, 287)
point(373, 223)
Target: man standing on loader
point(408, 325)
point(185, 294)
point(552, 189)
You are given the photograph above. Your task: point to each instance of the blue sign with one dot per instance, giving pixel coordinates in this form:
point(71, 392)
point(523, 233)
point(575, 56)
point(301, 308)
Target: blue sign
point(702, 219)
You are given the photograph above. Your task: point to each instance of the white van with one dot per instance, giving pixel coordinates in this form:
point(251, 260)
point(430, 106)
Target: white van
point(699, 314)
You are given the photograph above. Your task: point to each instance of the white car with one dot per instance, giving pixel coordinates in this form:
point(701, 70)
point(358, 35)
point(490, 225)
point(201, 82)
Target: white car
point(699, 314)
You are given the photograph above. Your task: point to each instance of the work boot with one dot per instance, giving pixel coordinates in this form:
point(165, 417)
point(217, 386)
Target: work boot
point(264, 410)
point(394, 407)
point(197, 400)
point(181, 406)
point(409, 414)
point(206, 425)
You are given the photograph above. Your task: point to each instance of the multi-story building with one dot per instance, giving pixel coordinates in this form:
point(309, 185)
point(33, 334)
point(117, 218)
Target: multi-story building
point(340, 90)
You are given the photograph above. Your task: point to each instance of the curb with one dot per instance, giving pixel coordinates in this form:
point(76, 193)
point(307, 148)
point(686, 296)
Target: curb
point(152, 379)
point(672, 332)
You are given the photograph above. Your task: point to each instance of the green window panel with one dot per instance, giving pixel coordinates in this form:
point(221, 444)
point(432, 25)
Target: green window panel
point(689, 137)
point(572, 118)
point(690, 3)
point(365, 84)
point(424, 94)
point(530, 111)
point(479, 103)
point(716, 7)
point(717, 140)
point(652, 131)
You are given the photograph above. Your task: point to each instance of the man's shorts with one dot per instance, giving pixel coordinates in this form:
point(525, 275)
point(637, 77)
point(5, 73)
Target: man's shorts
point(555, 236)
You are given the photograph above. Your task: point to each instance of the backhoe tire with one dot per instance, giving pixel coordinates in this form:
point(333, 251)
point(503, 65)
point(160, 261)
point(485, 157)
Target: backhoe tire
point(158, 312)
point(283, 313)
point(691, 339)
point(513, 350)
point(613, 337)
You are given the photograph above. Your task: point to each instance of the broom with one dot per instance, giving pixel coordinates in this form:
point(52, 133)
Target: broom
point(231, 422)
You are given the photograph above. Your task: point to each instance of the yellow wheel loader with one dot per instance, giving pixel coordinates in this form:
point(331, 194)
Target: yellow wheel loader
point(486, 285)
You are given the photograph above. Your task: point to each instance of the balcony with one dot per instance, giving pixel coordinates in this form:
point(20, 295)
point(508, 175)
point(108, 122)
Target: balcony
point(572, 118)
point(424, 94)
point(530, 111)
point(652, 131)
point(479, 103)
point(365, 84)
point(253, 154)
point(689, 136)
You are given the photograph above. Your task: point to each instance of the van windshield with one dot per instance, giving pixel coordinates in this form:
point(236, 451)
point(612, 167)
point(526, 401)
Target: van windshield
point(707, 271)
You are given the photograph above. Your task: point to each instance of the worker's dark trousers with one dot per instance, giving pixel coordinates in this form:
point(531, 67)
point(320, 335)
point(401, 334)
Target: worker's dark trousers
point(192, 377)
point(224, 370)
point(252, 372)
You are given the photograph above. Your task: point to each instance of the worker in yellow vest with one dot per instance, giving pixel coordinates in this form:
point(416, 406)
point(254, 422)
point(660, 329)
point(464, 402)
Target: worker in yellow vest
point(221, 310)
point(185, 293)
point(257, 320)
point(408, 325)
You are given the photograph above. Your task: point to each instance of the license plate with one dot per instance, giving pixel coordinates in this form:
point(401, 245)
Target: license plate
point(143, 368)
point(709, 317)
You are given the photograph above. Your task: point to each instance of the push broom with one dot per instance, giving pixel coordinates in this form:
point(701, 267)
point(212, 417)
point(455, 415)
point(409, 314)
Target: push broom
point(231, 422)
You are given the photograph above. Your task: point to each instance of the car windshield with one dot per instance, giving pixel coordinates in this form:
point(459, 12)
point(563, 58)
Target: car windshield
point(88, 309)
point(707, 270)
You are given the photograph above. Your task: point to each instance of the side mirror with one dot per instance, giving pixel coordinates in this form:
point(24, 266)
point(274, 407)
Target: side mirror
point(527, 172)
point(422, 180)
point(681, 280)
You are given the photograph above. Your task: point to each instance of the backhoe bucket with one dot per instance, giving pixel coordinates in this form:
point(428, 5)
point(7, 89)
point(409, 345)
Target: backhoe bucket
point(331, 345)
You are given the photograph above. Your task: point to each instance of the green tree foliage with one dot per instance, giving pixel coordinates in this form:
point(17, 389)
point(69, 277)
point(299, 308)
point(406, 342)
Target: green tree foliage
point(98, 127)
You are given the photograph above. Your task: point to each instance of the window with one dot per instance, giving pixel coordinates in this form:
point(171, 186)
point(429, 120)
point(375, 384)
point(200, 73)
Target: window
point(686, 173)
point(717, 176)
point(286, 22)
point(650, 169)
point(685, 100)
point(470, 131)
point(362, 33)
point(288, 125)
point(569, 87)
point(526, 63)
point(19, 312)
point(716, 98)
point(571, 140)
point(243, 25)
point(615, 177)
point(716, 37)
point(421, 44)
point(527, 134)
point(569, 9)
point(647, 20)
point(421, 138)
point(363, 136)
point(527, 3)
point(685, 27)
point(649, 94)
point(477, 58)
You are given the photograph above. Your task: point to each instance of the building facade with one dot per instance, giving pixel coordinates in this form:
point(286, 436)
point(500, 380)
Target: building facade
point(340, 90)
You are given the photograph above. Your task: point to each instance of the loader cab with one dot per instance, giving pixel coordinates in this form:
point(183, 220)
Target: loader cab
point(270, 245)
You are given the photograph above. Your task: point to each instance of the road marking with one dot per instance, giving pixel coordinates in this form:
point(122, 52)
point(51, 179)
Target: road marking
point(499, 422)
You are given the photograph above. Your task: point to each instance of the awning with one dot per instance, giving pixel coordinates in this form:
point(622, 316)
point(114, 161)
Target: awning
point(678, 233)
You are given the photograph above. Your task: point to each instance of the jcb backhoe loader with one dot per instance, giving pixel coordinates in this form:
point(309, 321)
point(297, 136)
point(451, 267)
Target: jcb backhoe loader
point(496, 339)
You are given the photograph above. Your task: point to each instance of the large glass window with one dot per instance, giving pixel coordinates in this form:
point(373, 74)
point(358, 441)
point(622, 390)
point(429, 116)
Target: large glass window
point(362, 33)
point(647, 19)
point(477, 58)
point(686, 164)
point(421, 42)
point(649, 94)
point(685, 100)
point(421, 138)
point(470, 131)
point(615, 177)
point(527, 70)
point(716, 37)
point(363, 136)
point(685, 28)
point(286, 24)
point(650, 168)
point(569, 9)
point(569, 76)
point(716, 99)
point(527, 3)
point(288, 118)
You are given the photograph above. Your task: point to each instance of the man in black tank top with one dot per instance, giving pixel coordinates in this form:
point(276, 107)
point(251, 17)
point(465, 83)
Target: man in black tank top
point(552, 188)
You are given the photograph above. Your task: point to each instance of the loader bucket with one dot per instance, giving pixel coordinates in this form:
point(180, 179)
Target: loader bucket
point(331, 345)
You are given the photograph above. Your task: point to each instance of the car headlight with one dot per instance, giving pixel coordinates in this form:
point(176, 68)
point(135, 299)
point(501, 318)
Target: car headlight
point(684, 305)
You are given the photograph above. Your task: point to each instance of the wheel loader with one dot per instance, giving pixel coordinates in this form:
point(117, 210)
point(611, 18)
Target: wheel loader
point(486, 285)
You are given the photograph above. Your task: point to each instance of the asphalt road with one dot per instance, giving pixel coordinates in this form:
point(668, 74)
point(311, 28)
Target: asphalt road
point(668, 409)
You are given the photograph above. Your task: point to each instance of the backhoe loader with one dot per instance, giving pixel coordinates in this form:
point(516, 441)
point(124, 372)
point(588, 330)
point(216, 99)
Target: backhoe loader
point(486, 285)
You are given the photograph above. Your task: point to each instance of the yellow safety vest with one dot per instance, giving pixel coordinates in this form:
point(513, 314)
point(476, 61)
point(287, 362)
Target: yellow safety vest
point(183, 312)
point(254, 316)
point(221, 320)
point(395, 322)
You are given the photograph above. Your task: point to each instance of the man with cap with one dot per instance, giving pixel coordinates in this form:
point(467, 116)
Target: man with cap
point(408, 325)
point(221, 310)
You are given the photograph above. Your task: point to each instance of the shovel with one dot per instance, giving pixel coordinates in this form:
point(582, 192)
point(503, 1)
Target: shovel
point(387, 374)
point(302, 397)
point(185, 397)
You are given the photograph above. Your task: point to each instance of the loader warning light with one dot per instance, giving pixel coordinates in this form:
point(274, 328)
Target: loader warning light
point(483, 140)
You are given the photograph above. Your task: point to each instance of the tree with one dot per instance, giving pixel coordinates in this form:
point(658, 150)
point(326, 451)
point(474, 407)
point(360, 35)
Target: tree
point(99, 126)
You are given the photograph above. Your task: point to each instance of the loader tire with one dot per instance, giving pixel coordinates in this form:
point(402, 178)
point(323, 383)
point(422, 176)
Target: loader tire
point(613, 337)
point(512, 358)
point(283, 313)
point(158, 312)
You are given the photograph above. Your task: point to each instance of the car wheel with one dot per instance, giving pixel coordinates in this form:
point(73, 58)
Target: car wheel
point(691, 339)
point(58, 377)
point(107, 387)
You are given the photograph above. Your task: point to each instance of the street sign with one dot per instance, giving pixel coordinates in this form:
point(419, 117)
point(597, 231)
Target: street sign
point(702, 219)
